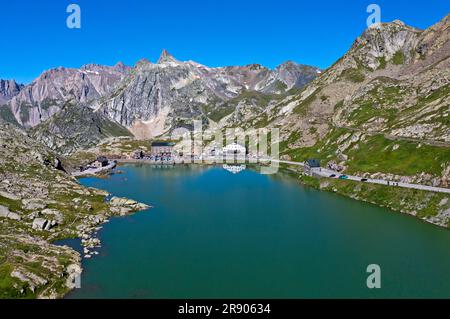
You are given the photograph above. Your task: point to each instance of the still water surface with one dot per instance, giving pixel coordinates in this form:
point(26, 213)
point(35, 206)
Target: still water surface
point(212, 234)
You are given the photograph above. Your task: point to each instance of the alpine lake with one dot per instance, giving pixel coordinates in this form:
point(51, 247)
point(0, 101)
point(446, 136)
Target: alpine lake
point(216, 234)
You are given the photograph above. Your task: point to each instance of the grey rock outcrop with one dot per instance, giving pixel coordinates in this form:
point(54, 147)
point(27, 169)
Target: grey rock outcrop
point(5, 213)
point(43, 224)
point(40, 223)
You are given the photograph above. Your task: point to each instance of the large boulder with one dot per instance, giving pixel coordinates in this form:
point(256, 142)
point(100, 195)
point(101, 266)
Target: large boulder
point(57, 215)
point(74, 272)
point(33, 204)
point(5, 213)
point(40, 223)
point(128, 203)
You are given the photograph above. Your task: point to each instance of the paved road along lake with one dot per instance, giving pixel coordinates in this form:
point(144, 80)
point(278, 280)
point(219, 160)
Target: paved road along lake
point(213, 234)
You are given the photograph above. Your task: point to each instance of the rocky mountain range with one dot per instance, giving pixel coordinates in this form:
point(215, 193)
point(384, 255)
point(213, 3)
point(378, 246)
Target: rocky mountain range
point(150, 98)
point(46, 95)
point(158, 97)
point(390, 70)
point(393, 82)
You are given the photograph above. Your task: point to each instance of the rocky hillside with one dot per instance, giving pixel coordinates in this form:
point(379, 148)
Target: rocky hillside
point(76, 127)
point(40, 203)
point(47, 94)
point(392, 85)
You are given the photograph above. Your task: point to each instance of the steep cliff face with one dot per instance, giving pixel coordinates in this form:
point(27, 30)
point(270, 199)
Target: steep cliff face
point(153, 91)
point(8, 90)
point(45, 96)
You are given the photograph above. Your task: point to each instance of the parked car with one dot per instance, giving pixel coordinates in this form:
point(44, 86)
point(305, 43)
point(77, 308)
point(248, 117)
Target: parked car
point(343, 177)
point(332, 175)
point(364, 179)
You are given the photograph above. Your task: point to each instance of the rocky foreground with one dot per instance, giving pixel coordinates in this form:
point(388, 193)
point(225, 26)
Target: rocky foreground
point(39, 204)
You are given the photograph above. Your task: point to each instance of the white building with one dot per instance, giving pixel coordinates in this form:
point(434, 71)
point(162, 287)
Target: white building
point(235, 149)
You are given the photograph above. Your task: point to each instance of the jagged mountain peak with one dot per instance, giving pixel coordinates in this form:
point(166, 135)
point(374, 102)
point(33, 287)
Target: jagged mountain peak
point(249, 67)
point(256, 66)
point(99, 69)
point(166, 57)
point(120, 66)
point(399, 22)
point(90, 66)
point(49, 73)
point(391, 42)
point(292, 64)
point(288, 62)
point(396, 30)
point(400, 44)
point(159, 97)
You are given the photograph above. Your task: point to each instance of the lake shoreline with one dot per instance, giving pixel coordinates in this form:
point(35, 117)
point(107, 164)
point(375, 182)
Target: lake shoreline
point(316, 184)
point(135, 173)
point(88, 243)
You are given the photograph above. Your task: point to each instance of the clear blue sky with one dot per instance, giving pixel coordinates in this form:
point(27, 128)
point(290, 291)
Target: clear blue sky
point(35, 38)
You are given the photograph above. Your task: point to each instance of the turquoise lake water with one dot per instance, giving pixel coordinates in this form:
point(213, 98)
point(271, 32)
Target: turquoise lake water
point(212, 234)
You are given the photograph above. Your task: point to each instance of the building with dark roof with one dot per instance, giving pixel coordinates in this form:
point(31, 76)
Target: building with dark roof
point(311, 165)
point(102, 161)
